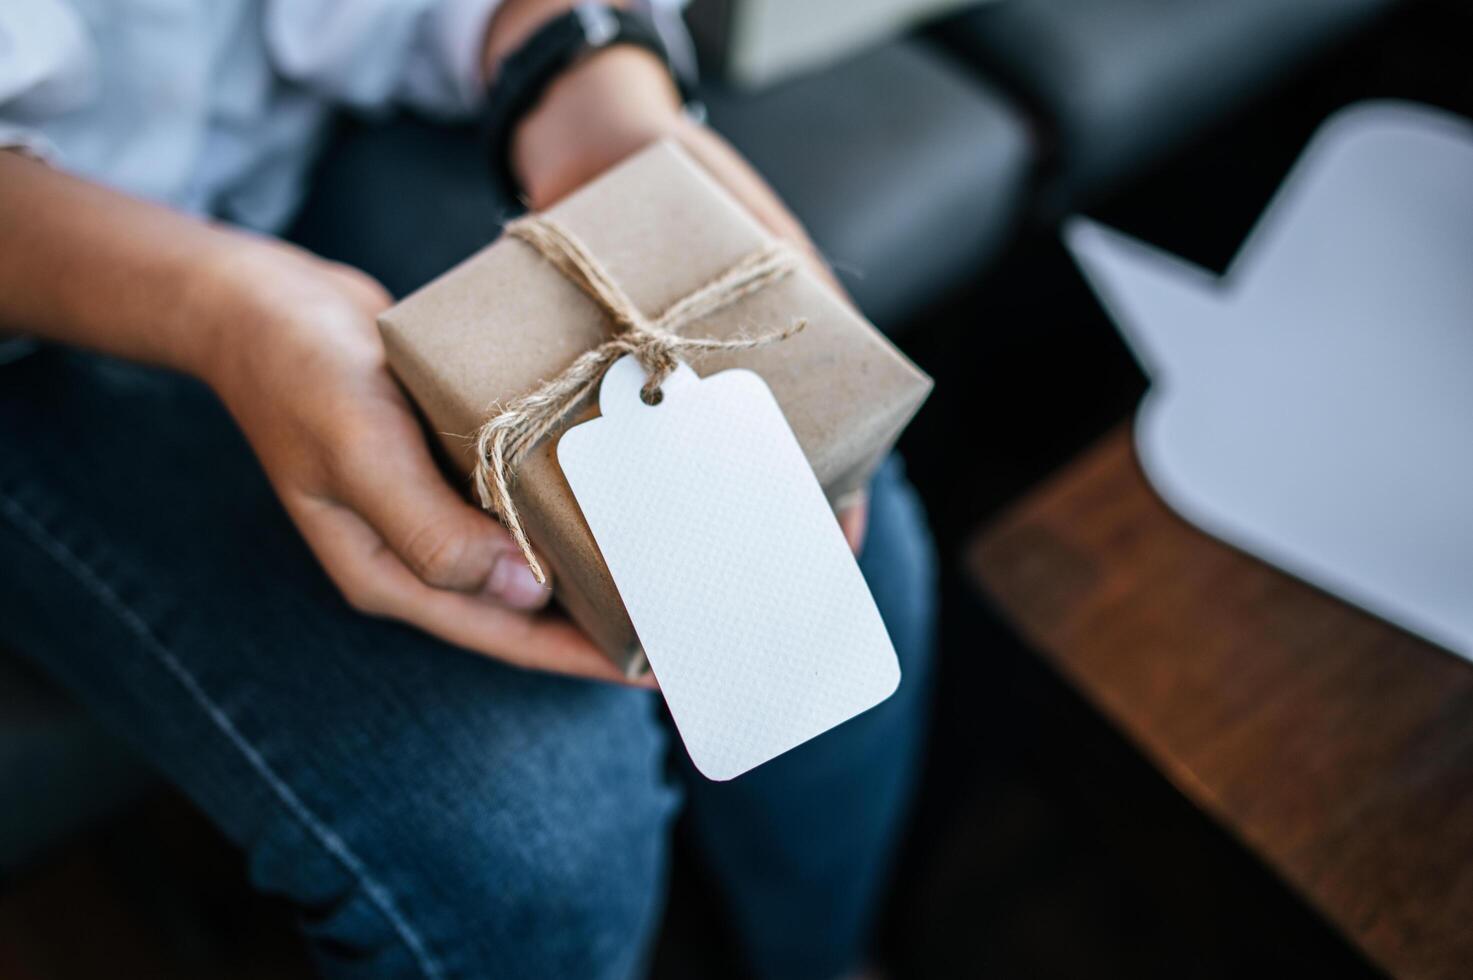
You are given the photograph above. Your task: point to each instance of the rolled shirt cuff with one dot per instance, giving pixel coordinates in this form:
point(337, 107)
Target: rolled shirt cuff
point(19, 139)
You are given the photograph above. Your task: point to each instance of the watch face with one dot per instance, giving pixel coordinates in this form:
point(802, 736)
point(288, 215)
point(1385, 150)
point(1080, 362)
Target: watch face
point(599, 23)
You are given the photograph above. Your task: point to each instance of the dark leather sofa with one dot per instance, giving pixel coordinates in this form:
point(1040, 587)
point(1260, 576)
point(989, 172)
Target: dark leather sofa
point(913, 164)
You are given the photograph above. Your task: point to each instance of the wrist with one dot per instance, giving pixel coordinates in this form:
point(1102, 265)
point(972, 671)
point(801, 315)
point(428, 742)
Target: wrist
point(606, 107)
point(216, 281)
point(239, 293)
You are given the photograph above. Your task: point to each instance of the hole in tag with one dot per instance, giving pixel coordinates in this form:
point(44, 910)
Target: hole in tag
point(622, 387)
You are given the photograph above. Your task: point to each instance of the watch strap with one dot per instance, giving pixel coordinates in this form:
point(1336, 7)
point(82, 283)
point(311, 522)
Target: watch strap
point(526, 73)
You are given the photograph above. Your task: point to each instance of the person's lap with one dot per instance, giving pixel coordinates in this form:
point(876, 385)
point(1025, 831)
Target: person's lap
point(415, 800)
point(430, 812)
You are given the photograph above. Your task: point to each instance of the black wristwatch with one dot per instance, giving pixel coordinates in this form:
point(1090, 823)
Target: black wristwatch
point(555, 46)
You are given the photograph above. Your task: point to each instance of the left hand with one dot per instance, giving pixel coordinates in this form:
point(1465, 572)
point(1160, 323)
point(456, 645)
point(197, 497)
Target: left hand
point(295, 355)
point(615, 103)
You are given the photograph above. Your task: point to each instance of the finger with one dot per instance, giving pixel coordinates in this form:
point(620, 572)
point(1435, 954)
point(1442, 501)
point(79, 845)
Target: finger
point(375, 581)
point(854, 519)
point(537, 642)
point(447, 543)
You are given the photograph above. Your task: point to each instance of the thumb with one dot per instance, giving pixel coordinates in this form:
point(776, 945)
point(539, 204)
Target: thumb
point(444, 540)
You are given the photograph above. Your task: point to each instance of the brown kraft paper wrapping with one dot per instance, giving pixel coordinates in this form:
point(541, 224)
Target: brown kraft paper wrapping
point(505, 320)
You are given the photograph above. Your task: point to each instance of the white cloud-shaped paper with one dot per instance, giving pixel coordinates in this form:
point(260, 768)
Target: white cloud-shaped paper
point(1314, 405)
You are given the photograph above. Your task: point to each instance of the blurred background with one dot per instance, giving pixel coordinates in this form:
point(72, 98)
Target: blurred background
point(932, 149)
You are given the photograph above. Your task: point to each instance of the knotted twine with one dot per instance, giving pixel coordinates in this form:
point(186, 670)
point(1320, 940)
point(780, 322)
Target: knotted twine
point(506, 438)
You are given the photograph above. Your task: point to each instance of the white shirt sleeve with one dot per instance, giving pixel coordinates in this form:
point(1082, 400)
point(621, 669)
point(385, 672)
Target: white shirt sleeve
point(48, 65)
point(372, 54)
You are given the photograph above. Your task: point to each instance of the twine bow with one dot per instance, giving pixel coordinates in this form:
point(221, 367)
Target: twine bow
point(506, 438)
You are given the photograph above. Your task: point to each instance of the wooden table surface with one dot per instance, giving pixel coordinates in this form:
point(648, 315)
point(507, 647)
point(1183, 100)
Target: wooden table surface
point(1337, 747)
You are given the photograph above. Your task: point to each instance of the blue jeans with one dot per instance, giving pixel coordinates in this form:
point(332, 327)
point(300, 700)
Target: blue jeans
point(428, 812)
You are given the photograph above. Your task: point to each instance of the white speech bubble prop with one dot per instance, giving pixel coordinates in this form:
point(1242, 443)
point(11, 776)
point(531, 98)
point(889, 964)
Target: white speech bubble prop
point(1314, 405)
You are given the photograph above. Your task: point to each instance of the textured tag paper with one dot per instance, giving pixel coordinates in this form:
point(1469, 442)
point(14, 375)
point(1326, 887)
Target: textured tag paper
point(751, 609)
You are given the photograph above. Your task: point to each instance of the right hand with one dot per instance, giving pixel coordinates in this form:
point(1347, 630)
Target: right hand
point(294, 352)
point(612, 104)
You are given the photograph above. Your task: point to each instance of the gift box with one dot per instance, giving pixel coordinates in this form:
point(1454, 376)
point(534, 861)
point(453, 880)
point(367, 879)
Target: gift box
point(505, 321)
point(751, 43)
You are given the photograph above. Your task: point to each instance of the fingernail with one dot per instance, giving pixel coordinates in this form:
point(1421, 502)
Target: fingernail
point(511, 582)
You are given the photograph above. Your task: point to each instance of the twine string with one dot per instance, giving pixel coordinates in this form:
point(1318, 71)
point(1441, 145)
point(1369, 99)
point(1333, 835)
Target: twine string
point(505, 439)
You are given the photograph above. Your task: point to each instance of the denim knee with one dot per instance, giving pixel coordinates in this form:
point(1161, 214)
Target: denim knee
point(540, 855)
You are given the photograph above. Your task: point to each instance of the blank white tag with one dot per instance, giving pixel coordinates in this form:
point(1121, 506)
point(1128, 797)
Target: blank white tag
point(751, 609)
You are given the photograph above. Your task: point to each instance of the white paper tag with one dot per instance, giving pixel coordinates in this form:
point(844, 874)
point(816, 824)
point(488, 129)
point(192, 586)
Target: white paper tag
point(751, 609)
